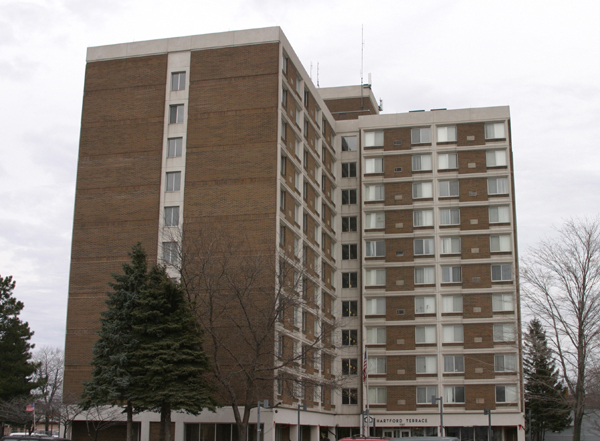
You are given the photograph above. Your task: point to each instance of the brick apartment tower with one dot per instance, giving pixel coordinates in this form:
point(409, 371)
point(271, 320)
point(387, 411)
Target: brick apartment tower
point(407, 220)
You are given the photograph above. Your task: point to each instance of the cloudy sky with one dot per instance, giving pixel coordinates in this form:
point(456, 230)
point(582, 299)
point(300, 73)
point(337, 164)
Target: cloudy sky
point(539, 57)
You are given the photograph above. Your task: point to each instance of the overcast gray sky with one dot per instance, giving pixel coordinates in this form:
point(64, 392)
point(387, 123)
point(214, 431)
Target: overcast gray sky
point(539, 57)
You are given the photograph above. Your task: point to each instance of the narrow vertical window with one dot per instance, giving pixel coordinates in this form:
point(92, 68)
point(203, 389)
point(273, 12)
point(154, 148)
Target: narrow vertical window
point(176, 114)
point(178, 81)
point(175, 147)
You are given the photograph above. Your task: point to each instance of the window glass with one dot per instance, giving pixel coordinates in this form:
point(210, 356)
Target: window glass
point(449, 189)
point(376, 365)
point(502, 302)
point(494, 131)
point(374, 192)
point(374, 139)
point(420, 135)
point(423, 247)
point(376, 306)
point(425, 305)
point(421, 162)
point(349, 251)
point(500, 243)
point(348, 197)
point(171, 216)
point(446, 134)
point(173, 181)
point(376, 336)
point(176, 114)
point(451, 274)
point(505, 363)
point(447, 161)
point(506, 394)
point(454, 363)
point(378, 395)
point(504, 332)
point(374, 165)
point(495, 158)
point(349, 280)
point(499, 214)
point(449, 216)
point(170, 252)
point(375, 277)
point(349, 143)
point(349, 366)
point(422, 190)
point(426, 364)
point(498, 186)
point(178, 81)
point(452, 304)
point(375, 220)
point(425, 275)
point(454, 394)
point(175, 147)
point(423, 218)
point(348, 169)
point(450, 245)
point(349, 308)
point(349, 396)
point(501, 272)
point(425, 394)
point(375, 248)
point(425, 334)
point(349, 224)
point(453, 333)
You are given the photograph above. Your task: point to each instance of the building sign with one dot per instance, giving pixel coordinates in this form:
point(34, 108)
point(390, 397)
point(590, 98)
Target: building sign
point(409, 421)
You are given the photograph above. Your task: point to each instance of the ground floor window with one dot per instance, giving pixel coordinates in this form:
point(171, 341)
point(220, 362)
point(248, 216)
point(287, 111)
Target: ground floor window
point(480, 433)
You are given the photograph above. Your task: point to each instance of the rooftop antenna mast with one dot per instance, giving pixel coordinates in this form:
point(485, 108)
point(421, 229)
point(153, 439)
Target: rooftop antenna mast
point(317, 74)
point(362, 51)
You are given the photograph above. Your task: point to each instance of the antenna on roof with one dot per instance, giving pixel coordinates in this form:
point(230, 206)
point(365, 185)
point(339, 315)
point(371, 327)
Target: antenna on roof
point(311, 70)
point(317, 74)
point(362, 51)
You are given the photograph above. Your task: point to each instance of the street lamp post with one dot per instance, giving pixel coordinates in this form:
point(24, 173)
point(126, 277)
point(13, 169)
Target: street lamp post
point(488, 412)
point(300, 407)
point(434, 399)
point(265, 405)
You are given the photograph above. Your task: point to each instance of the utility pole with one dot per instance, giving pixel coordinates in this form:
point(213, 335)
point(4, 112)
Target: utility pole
point(300, 407)
point(488, 412)
point(434, 399)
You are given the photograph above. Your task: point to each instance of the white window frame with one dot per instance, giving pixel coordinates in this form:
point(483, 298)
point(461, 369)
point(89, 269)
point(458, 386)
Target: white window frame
point(375, 248)
point(495, 130)
point(374, 138)
point(451, 361)
point(422, 190)
point(176, 113)
point(447, 161)
point(425, 305)
point(426, 364)
point(375, 306)
point(375, 277)
point(509, 391)
point(375, 192)
point(449, 189)
point(174, 147)
point(172, 216)
point(378, 395)
point(420, 135)
point(376, 336)
point(423, 218)
point(424, 246)
point(449, 216)
point(496, 158)
point(452, 274)
point(373, 165)
point(173, 181)
point(505, 363)
point(500, 214)
point(425, 334)
point(427, 392)
point(170, 252)
point(504, 270)
point(424, 275)
point(376, 365)
point(421, 163)
point(349, 143)
point(452, 394)
point(500, 243)
point(453, 334)
point(503, 302)
point(446, 133)
point(453, 303)
point(375, 220)
point(504, 332)
point(450, 245)
point(497, 186)
point(178, 81)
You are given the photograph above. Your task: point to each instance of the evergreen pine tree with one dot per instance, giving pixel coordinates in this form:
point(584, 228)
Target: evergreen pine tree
point(169, 365)
point(545, 394)
point(16, 367)
point(112, 381)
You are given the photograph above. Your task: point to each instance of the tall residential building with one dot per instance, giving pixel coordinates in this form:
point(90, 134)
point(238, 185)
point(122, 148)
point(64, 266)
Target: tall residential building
point(407, 222)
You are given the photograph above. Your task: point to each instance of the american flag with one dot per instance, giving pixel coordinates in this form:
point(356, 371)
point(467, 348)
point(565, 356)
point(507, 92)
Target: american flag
point(29, 408)
point(365, 366)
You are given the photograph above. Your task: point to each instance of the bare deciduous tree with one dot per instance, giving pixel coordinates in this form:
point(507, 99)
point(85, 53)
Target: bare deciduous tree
point(253, 306)
point(49, 374)
point(99, 418)
point(561, 283)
